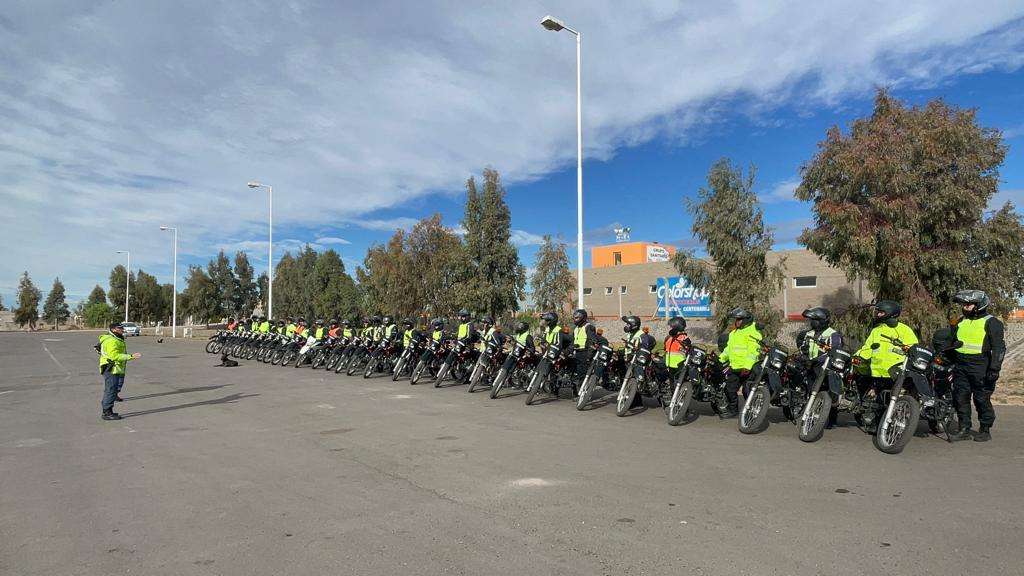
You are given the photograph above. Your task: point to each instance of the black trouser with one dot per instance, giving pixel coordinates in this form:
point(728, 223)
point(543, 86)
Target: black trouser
point(582, 358)
point(968, 381)
point(733, 381)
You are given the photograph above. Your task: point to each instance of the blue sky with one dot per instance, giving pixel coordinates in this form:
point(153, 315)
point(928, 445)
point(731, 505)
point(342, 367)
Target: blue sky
point(120, 117)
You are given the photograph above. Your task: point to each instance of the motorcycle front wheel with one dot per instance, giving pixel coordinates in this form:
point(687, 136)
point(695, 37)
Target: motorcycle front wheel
point(586, 390)
point(679, 404)
point(626, 394)
point(754, 415)
point(211, 347)
point(478, 372)
point(896, 430)
point(417, 372)
point(539, 375)
point(812, 425)
point(442, 373)
point(499, 381)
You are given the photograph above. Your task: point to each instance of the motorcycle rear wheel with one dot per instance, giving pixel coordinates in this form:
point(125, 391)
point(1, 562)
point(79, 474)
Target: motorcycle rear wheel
point(679, 404)
point(895, 432)
point(754, 414)
point(812, 423)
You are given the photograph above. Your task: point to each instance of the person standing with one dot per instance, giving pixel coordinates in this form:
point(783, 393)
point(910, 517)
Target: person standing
point(114, 357)
point(741, 352)
point(584, 338)
point(977, 363)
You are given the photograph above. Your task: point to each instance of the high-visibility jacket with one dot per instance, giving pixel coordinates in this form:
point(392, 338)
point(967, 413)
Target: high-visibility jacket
point(521, 338)
point(389, 331)
point(264, 327)
point(632, 341)
point(289, 330)
point(674, 354)
point(114, 351)
point(579, 336)
point(887, 354)
point(743, 348)
point(300, 330)
point(254, 325)
point(437, 335)
point(551, 335)
point(487, 338)
point(463, 331)
point(972, 333)
point(813, 349)
point(319, 333)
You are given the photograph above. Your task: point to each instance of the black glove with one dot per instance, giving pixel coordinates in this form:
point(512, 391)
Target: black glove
point(991, 377)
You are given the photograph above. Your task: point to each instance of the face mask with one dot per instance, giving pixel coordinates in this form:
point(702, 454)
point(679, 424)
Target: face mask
point(892, 322)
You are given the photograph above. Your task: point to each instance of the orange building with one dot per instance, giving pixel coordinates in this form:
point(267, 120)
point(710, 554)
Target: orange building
point(625, 253)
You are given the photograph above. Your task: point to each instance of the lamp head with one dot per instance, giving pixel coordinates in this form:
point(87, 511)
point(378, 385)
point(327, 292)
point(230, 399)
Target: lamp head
point(163, 227)
point(254, 185)
point(552, 23)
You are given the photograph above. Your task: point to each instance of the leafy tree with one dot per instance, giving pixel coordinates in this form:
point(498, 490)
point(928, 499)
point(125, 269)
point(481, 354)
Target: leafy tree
point(27, 312)
point(56, 306)
point(202, 301)
point(439, 263)
point(98, 315)
point(496, 279)
point(224, 282)
point(335, 291)
point(2, 309)
point(167, 295)
point(96, 296)
point(900, 202)
point(551, 282)
point(263, 286)
point(728, 219)
point(386, 279)
point(246, 291)
point(115, 295)
point(149, 302)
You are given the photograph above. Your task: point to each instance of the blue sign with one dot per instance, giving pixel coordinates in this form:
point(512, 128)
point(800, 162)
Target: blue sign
point(682, 299)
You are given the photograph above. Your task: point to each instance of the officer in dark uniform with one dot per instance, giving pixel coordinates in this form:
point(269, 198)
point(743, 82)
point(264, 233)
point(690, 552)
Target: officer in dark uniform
point(814, 344)
point(977, 363)
point(584, 338)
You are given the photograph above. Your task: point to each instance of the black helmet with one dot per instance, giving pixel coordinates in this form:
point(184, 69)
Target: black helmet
point(819, 317)
point(301, 320)
point(437, 323)
point(549, 319)
point(740, 313)
point(408, 322)
point(388, 320)
point(290, 318)
point(464, 315)
point(280, 322)
point(887, 311)
point(487, 320)
point(319, 321)
point(676, 325)
point(579, 316)
point(345, 323)
point(263, 318)
point(976, 297)
point(374, 319)
point(632, 324)
point(333, 322)
point(522, 326)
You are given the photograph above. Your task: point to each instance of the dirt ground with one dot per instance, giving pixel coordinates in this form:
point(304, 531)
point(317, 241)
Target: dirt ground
point(1010, 388)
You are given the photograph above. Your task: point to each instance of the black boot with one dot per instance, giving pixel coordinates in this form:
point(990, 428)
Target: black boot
point(982, 435)
point(110, 415)
point(964, 433)
point(729, 413)
point(118, 398)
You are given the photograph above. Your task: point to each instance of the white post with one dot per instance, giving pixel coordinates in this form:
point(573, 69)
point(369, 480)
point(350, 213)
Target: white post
point(174, 293)
point(579, 174)
point(270, 260)
point(127, 283)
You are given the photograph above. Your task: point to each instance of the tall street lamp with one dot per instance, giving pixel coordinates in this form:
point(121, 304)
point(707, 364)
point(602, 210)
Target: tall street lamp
point(556, 25)
point(127, 280)
point(270, 250)
point(174, 294)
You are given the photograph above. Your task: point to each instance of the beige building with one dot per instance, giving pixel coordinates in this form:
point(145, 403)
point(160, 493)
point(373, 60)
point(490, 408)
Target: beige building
point(612, 291)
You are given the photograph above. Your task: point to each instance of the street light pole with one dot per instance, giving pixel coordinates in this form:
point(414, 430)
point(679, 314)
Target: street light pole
point(556, 25)
point(127, 281)
point(174, 293)
point(270, 250)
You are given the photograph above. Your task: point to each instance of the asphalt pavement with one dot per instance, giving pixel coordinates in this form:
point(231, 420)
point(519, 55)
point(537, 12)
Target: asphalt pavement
point(266, 470)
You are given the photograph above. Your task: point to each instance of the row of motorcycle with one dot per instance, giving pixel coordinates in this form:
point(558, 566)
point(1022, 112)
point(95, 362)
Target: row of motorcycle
point(919, 388)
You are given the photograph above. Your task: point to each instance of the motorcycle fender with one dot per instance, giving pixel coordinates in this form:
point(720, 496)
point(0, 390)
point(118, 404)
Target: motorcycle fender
point(835, 383)
point(774, 382)
point(920, 384)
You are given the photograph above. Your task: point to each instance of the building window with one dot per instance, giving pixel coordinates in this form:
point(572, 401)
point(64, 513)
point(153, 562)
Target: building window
point(622, 289)
point(805, 282)
point(607, 290)
point(653, 288)
point(617, 257)
point(588, 291)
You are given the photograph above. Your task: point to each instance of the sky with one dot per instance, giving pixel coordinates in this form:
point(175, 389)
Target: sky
point(119, 117)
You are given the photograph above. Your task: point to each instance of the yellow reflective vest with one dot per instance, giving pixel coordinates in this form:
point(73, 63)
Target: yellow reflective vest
point(887, 354)
point(743, 348)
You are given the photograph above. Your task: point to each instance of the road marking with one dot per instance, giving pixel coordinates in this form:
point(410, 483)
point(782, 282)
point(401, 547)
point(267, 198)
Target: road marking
point(401, 396)
point(55, 361)
point(325, 406)
point(53, 339)
point(533, 483)
point(6, 392)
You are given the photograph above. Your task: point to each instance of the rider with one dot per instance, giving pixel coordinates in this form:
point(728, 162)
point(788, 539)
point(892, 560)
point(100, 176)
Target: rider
point(231, 325)
point(554, 335)
point(977, 363)
point(282, 328)
point(584, 338)
point(523, 335)
point(814, 342)
point(409, 333)
point(466, 332)
point(389, 331)
point(289, 329)
point(740, 355)
point(878, 350)
point(254, 323)
point(300, 327)
point(334, 330)
point(490, 331)
point(636, 339)
point(264, 325)
point(346, 329)
point(677, 344)
point(437, 329)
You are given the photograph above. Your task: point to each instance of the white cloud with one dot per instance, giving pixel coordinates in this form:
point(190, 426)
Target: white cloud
point(524, 238)
point(331, 240)
point(138, 117)
point(780, 192)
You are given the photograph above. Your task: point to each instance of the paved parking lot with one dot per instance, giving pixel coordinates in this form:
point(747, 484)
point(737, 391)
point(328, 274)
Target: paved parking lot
point(268, 470)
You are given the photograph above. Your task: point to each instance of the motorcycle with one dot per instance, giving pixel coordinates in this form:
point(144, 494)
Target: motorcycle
point(773, 382)
point(486, 363)
point(455, 363)
point(361, 356)
point(639, 378)
point(833, 374)
point(597, 373)
point(404, 364)
point(550, 373)
point(699, 379)
point(430, 360)
point(383, 359)
point(515, 371)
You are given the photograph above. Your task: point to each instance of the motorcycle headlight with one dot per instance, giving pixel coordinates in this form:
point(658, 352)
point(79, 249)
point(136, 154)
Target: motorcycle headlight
point(838, 364)
point(777, 364)
point(920, 364)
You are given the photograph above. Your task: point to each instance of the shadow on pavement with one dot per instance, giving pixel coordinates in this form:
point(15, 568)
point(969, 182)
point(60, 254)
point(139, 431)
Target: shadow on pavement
point(176, 391)
point(225, 400)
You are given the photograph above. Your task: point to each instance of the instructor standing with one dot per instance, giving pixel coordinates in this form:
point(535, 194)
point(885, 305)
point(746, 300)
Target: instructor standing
point(113, 358)
point(977, 363)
